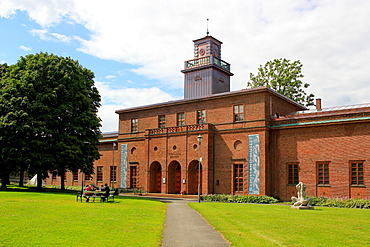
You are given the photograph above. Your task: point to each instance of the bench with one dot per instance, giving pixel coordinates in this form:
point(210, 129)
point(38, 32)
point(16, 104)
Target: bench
point(95, 194)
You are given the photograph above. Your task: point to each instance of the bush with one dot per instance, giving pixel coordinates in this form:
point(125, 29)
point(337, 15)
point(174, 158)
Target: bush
point(239, 199)
point(340, 202)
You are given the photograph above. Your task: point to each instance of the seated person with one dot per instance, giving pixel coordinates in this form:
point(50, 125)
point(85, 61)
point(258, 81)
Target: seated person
point(87, 195)
point(106, 194)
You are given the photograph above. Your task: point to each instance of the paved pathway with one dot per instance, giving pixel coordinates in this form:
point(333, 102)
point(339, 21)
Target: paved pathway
point(185, 227)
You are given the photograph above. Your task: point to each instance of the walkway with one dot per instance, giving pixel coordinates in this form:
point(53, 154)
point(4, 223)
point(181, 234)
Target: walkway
point(185, 227)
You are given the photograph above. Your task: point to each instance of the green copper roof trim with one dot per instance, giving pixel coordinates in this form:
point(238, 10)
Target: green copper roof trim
point(321, 122)
point(110, 140)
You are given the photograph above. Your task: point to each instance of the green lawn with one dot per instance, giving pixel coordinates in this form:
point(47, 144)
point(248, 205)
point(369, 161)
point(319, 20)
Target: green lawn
point(56, 219)
point(277, 225)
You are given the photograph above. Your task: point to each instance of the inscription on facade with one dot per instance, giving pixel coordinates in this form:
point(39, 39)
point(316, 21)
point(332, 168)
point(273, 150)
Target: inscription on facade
point(174, 155)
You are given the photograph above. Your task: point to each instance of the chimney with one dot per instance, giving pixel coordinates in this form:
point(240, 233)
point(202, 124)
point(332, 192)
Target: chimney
point(318, 104)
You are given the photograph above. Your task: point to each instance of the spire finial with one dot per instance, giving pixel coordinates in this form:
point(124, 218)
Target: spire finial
point(207, 26)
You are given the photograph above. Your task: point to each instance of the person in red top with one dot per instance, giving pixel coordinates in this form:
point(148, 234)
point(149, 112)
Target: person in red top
point(87, 195)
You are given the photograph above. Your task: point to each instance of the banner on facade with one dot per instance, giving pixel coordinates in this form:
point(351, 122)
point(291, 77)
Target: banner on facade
point(254, 164)
point(123, 171)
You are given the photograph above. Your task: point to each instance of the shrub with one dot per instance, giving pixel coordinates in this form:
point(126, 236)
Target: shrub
point(340, 202)
point(239, 199)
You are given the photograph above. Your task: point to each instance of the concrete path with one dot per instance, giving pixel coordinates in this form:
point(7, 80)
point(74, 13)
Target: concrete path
point(185, 227)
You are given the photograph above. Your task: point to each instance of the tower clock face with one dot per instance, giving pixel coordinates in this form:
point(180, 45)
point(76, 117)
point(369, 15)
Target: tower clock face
point(202, 52)
point(215, 51)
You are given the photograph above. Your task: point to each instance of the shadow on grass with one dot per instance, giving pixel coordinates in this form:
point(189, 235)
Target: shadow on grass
point(46, 190)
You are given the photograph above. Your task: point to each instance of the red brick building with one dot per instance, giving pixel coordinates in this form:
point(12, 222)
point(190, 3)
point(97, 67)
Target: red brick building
point(253, 141)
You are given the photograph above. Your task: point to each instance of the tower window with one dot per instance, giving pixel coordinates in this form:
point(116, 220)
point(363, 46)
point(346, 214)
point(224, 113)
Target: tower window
point(201, 116)
point(162, 121)
point(238, 113)
point(181, 119)
point(134, 125)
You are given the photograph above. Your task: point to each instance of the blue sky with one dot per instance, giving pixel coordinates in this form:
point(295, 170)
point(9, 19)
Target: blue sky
point(137, 48)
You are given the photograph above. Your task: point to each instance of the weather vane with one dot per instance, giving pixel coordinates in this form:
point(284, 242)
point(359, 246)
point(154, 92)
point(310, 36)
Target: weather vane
point(207, 26)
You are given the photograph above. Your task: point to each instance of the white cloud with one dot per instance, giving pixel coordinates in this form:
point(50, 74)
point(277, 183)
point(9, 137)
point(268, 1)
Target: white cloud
point(114, 99)
point(61, 37)
point(110, 77)
point(44, 12)
point(45, 35)
point(329, 37)
point(25, 48)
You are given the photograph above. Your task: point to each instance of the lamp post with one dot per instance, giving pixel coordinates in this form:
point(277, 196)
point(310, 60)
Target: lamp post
point(199, 163)
point(113, 170)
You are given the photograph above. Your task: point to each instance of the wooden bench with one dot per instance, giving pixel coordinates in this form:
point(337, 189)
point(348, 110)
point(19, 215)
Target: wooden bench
point(95, 194)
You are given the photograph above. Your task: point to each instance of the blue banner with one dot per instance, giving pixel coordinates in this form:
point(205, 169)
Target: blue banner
point(123, 169)
point(254, 164)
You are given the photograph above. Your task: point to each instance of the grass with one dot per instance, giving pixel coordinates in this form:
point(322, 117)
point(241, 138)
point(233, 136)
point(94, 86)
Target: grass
point(56, 219)
point(277, 225)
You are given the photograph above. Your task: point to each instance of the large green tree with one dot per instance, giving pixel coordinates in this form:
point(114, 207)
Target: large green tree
point(49, 119)
point(283, 76)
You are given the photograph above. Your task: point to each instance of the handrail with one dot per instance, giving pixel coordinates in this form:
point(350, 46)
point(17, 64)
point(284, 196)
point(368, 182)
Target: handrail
point(209, 60)
point(176, 129)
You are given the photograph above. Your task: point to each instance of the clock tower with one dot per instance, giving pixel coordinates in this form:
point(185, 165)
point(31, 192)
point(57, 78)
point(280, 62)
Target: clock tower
point(206, 74)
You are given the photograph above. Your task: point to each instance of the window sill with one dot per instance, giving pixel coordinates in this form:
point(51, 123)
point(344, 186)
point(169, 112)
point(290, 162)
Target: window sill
point(323, 185)
point(358, 185)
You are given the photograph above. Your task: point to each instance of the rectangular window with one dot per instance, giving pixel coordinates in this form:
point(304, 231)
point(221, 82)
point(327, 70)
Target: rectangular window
point(238, 178)
point(357, 172)
point(293, 174)
point(87, 177)
point(181, 119)
point(201, 116)
point(162, 121)
point(113, 173)
point(75, 176)
point(323, 172)
point(99, 174)
point(238, 113)
point(134, 125)
point(133, 176)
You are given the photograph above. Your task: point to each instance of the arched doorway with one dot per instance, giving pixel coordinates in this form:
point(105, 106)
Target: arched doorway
point(194, 177)
point(155, 183)
point(174, 178)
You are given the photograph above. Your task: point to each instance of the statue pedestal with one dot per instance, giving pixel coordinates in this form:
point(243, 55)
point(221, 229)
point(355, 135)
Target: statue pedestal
point(303, 207)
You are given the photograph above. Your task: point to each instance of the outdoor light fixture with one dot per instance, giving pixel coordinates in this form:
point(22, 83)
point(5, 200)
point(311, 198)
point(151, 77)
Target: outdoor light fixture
point(113, 171)
point(199, 163)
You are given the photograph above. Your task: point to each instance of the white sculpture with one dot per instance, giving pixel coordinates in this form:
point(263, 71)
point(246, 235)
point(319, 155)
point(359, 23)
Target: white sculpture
point(301, 202)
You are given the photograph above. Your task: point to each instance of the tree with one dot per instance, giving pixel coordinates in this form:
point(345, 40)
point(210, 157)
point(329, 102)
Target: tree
point(50, 105)
point(284, 77)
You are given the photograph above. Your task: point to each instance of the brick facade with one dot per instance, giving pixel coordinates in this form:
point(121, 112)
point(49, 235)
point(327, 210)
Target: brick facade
point(264, 147)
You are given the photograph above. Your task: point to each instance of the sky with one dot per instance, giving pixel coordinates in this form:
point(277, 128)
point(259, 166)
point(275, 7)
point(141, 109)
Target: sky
point(137, 48)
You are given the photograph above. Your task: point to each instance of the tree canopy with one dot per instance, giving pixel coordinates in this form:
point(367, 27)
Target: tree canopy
point(48, 116)
point(284, 77)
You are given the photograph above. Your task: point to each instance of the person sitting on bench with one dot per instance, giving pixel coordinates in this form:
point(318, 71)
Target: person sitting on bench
point(106, 194)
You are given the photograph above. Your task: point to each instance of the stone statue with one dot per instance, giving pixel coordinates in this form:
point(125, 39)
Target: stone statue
point(301, 202)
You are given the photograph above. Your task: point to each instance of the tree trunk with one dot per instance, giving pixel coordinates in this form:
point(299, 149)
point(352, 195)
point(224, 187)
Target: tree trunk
point(62, 176)
point(6, 179)
point(39, 181)
point(21, 178)
point(3, 180)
